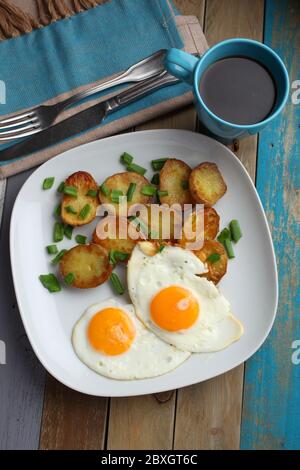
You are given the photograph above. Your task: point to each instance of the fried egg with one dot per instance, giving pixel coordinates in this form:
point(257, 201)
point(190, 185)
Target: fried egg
point(178, 306)
point(112, 341)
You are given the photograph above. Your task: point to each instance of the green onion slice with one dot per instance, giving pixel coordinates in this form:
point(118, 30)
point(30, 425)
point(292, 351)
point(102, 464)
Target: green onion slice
point(70, 210)
point(136, 168)
point(155, 179)
point(57, 210)
point(92, 193)
point(185, 184)
point(50, 282)
point(158, 163)
point(115, 195)
point(148, 190)
point(235, 230)
point(52, 249)
point(80, 239)
point(48, 182)
point(61, 187)
point(126, 158)
point(224, 235)
point(117, 284)
point(85, 211)
point(104, 189)
point(68, 231)
point(69, 279)
point(58, 257)
point(213, 258)
point(115, 256)
point(229, 248)
point(71, 191)
point(162, 193)
point(130, 192)
point(58, 232)
point(161, 248)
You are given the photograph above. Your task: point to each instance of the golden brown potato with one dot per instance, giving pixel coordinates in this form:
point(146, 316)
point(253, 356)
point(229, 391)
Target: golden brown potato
point(151, 248)
point(217, 269)
point(211, 226)
point(113, 240)
point(88, 263)
point(121, 182)
point(173, 178)
point(206, 183)
point(83, 182)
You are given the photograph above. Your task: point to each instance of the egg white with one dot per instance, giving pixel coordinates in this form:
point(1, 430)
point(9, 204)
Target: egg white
point(215, 327)
point(147, 357)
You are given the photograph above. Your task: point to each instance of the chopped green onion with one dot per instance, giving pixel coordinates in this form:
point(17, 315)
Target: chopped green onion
point(58, 232)
point(185, 184)
point(155, 179)
point(71, 191)
point(116, 283)
point(58, 257)
point(115, 195)
point(115, 256)
point(126, 158)
point(235, 230)
point(158, 163)
point(148, 190)
point(229, 248)
point(50, 282)
point(162, 193)
point(213, 258)
point(92, 193)
point(136, 168)
point(80, 239)
point(68, 231)
point(104, 189)
point(48, 182)
point(61, 187)
point(85, 211)
point(52, 249)
point(224, 235)
point(69, 279)
point(70, 210)
point(131, 218)
point(57, 210)
point(161, 248)
point(130, 191)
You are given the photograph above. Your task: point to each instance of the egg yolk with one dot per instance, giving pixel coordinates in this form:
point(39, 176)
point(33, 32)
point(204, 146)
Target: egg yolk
point(174, 308)
point(111, 331)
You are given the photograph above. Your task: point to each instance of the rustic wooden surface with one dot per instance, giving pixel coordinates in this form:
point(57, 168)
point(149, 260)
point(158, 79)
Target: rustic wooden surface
point(43, 413)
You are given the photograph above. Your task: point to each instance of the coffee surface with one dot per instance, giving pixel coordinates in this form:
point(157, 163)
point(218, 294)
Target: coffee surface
point(238, 90)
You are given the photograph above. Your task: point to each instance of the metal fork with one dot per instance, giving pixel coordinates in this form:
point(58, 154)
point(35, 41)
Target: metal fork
point(37, 119)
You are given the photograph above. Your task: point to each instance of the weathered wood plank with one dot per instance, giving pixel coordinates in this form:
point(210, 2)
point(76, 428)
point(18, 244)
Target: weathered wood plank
point(148, 422)
point(212, 410)
point(72, 420)
point(2, 196)
point(22, 377)
point(271, 412)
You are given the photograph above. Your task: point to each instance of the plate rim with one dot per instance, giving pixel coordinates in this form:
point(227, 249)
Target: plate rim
point(186, 382)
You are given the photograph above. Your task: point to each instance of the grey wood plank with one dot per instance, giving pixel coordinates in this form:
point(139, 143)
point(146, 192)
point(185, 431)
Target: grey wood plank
point(22, 378)
point(2, 196)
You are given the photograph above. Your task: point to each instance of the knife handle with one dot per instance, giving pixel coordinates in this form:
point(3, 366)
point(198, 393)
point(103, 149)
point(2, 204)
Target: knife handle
point(139, 91)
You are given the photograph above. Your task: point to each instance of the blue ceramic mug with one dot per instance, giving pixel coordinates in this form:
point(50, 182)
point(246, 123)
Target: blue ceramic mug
point(190, 69)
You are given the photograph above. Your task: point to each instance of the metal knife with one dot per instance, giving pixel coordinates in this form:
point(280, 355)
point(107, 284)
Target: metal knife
point(87, 119)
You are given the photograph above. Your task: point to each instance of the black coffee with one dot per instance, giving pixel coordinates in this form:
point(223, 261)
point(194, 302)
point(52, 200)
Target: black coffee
point(238, 90)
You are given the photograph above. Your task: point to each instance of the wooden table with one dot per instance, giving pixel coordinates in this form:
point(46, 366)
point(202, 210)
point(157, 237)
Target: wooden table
point(255, 406)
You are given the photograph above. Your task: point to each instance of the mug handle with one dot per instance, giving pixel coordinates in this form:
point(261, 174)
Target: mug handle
point(181, 64)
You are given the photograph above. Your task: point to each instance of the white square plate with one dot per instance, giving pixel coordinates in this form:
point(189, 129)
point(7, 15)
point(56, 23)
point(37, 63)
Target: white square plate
point(250, 284)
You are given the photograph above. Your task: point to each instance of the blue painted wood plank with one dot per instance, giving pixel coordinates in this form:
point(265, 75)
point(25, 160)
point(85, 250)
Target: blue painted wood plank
point(21, 375)
point(271, 411)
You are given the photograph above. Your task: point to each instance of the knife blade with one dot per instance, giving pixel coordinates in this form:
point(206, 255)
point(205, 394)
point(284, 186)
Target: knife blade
point(86, 119)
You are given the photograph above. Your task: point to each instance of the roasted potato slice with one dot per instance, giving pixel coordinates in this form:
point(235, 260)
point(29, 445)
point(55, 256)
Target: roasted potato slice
point(161, 222)
point(174, 178)
point(216, 269)
point(83, 182)
point(121, 182)
point(89, 265)
point(113, 240)
point(206, 184)
point(211, 226)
